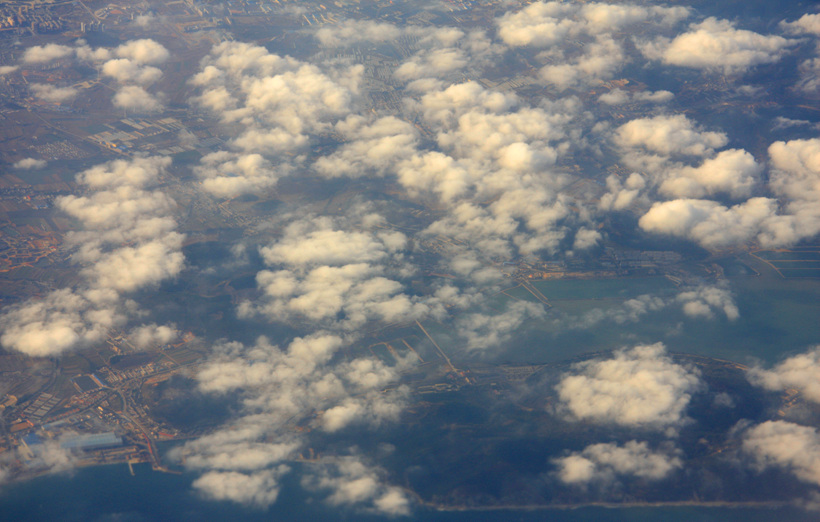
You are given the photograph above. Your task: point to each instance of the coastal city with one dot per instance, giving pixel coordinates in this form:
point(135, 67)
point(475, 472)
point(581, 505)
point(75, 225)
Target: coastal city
point(252, 238)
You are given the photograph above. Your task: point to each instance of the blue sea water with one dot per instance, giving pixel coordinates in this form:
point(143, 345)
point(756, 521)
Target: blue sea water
point(111, 493)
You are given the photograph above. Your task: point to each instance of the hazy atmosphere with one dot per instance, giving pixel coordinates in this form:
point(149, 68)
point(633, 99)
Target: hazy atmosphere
point(429, 260)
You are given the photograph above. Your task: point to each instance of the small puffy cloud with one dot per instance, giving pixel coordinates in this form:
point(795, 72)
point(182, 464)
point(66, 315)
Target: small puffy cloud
point(780, 123)
point(707, 222)
point(639, 387)
point(89, 54)
point(351, 482)
point(6, 69)
point(619, 97)
point(372, 147)
point(135, 98)
point(52, 457)
point(669, 135)
point(46, 53)
point(733, 172)
point(351, 32)
point(797, 167)
point(622, 194)
point(45, 457)
point(609, 17)
point(132, 267)
point(146, 20)
point(491, 331)
point(614, 97)
point(809, 81)
point(139, 172)
point(143, 51)
point(704, 300)
point(125, 70)
point(585, 239)
point(316, 242)
point(801, 372)
point(352, 294)
point(600, 61)
point(795, 178)
point(259, 489)
point(540, 24)
point(236, 449)
point(270, 365)
point(786, 445)
point(549, 24)
point(58, 322)
point(150, 335)
point(30, 164)
point(653, 96)
point(372, 410)
point(225, 174)
point(341, 277)
point(717, 45)
point(806, 24)
point(607, 462)
point(52, 93)
point(446, 53)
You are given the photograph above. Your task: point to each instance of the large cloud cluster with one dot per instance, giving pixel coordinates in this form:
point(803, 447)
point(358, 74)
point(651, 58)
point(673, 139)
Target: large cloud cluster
point(542, 24)
point(279, 102)
point(493, 148)
point(677, 162)
point(641, 387)
point(658, 149)
point(490, 147)
point(549, 24)
point(132, 64)
point(127, 241)
point(281, 386)
point(793, 179)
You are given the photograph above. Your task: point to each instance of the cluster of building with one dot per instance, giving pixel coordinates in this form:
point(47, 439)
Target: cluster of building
point(127, 132)
point(39, 20)
point(637, 259)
